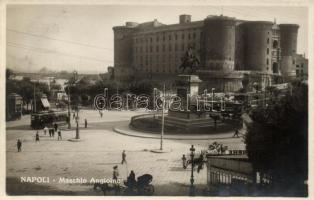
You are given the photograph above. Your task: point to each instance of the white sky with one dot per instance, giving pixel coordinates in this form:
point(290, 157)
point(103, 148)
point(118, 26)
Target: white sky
point(68, 37)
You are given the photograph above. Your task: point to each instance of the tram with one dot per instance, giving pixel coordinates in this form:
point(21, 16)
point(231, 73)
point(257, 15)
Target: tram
point(40, 120)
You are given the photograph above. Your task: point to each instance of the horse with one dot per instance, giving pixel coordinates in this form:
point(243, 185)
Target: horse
point(189, 61)
point(105, 187)
point(197, 161)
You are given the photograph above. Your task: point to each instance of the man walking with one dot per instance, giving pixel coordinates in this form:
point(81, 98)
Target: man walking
point(115, 176)
point(19, 145)
point(184, 161)
point(59, 135)
point(236, 133)
point(85, 123)
point(45, 130)
point(50, 134)
point(53, 132)
point(37, 137)
point(123, 157)
point(56, 126)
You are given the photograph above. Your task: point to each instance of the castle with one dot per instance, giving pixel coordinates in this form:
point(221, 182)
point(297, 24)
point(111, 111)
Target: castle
point(233, 53)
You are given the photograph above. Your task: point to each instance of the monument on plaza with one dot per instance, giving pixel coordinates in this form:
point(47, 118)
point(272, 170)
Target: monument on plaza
point(191, 116)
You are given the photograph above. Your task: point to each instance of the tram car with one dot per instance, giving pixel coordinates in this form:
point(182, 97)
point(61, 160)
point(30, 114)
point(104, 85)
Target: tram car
point(40, 120)
point(14, 106)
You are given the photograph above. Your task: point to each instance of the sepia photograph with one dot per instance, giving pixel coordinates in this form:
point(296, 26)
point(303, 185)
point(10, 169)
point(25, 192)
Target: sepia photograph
point(156, 100)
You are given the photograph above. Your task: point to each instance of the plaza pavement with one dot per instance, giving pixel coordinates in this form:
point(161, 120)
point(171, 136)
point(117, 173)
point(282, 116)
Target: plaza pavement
point(99, 150)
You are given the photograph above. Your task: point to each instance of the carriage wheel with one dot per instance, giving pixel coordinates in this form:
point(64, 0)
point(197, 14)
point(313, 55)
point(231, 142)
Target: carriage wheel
point(149, 190)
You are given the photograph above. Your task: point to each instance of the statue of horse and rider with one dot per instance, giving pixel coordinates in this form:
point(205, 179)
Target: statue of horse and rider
point(189, 60)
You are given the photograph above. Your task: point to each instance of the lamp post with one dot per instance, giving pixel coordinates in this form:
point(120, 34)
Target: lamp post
point(163, 117)
point(77, 135)
point(213, 91)
point(192, 187)
point(69, 106)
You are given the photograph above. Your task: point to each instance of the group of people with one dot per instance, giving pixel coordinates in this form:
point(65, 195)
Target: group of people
point(76, 118)
point(51, 132)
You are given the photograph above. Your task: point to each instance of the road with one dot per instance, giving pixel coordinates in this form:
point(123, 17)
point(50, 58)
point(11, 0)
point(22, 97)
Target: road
point(95, 156)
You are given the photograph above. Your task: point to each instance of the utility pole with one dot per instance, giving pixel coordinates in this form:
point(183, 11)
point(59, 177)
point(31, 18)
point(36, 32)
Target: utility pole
point(34, 98)
point(163, 117)
point(69, 106)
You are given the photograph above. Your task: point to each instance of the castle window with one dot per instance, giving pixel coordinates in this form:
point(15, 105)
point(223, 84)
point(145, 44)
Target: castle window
point(182, 36)
point(275, 44)
point(267, 40)
point(157, 48)
point(151, 39)
point(267, 61)
point(182, 47)
point(157, 38)
point(150, 48)
point(189, 36)
point(175, 36)
point(194, 35)
point(169, 37)
point(163, 38)
point(267, 51)
point(163, 47)
point(176, 47)
point(170, 47)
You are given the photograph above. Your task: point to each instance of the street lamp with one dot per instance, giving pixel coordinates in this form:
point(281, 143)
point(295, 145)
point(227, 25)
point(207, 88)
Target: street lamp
point(213, 90)
point(69, 106)
point(163, 117)
point(77, 135)
point(192, 187)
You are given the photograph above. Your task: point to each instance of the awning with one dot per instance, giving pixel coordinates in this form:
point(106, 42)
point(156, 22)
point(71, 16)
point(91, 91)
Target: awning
point(45, 102)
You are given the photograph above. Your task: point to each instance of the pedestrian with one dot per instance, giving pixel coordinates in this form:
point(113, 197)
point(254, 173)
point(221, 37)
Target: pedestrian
point(50, 133)
point(55, 126)
point(184, 161)
point(19, 145)
point(73, 115)
point(53, 132)
point(123, 157)
point(85, 123)
point(37, 137)
point(236, 133)
point(45, 130)
point(131, 182)
point(115, 176)
point(59, 134)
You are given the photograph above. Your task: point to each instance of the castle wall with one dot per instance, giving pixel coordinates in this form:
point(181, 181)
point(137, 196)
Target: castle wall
point(218, 44)
point(153, 50)
point(257, 44)
point(288, 35)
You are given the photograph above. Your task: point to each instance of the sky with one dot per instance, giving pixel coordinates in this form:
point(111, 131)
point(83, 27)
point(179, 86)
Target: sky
point(80, 37)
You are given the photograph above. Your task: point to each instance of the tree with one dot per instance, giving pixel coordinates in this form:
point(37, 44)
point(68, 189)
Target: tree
point(9, 73)
point(277, 141)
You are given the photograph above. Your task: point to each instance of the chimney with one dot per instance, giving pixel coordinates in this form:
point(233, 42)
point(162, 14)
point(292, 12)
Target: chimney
point(185, 19)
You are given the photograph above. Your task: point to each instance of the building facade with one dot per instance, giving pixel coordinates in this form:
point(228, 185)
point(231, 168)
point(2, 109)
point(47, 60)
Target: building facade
point(230, 51)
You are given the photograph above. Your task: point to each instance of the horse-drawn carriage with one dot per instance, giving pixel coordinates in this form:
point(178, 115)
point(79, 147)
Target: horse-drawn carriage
point(141, 187)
